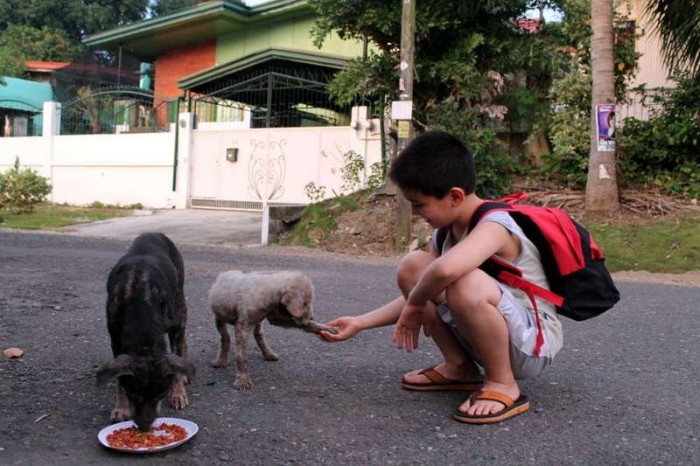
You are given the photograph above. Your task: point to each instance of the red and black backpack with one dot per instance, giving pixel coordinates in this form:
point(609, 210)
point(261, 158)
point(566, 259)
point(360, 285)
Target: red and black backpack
point(580, 285)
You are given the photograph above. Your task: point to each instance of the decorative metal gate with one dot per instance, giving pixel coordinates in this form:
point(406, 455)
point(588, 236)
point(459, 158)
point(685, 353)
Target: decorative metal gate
point(114, 110)
point(276, 94)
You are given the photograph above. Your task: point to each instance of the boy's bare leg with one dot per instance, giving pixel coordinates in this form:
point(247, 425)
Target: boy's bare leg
point(458, 365)
point(473, 301)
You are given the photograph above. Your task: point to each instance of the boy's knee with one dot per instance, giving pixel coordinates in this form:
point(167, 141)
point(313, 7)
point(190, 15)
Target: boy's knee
point(411, 267)
point(472, 291)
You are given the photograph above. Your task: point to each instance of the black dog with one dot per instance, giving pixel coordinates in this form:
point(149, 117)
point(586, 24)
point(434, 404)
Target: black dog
point(145, 300)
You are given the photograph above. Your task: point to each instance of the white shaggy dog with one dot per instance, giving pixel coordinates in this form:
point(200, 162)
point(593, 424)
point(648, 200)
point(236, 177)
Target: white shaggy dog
point(244, 300)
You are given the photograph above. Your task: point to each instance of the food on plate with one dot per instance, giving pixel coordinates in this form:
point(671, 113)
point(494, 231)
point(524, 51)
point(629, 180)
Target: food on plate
point(134, 439)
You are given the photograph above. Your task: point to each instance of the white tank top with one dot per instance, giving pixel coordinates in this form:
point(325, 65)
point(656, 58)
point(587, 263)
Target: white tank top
point(531, 266)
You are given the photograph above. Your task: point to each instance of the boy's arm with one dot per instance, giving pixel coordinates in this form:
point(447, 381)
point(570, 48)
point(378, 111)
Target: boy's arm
point(386, 315)
point(348, 327)
point(487, 239)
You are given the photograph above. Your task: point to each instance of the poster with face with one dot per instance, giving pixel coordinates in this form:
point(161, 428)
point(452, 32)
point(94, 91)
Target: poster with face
point(605, 122)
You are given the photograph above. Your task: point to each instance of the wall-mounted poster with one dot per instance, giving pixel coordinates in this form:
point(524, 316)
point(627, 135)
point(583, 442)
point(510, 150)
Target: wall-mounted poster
point(605, 123)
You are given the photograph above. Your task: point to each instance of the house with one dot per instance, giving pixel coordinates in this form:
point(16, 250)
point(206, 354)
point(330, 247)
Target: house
point(651, 73)
point(21, 104)
point(42, 71)
point(239, 115)
point(233, 62)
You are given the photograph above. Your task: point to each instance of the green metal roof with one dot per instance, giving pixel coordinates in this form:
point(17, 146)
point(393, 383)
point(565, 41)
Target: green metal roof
point(20, 94)
point(226, 69)
point(148, 39)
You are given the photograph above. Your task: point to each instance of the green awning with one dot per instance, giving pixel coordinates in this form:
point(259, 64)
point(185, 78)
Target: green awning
point(23, 95)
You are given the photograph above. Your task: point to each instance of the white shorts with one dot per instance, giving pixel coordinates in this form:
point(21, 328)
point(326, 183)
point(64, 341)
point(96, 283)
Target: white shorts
point(522, 330)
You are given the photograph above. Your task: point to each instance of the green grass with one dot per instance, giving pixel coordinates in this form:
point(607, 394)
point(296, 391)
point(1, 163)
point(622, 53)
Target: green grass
point(318, 220)
point(670, 245)
point(665, 245)
point(51, 217)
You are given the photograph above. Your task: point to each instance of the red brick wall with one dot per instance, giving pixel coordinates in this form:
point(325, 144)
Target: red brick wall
point(182, 62)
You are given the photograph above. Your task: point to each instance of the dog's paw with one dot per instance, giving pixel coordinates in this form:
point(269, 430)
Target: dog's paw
point(120, 414)
point(317, 328)
point(178, 398)
point(243, 382)
point(218, 363)
point(271, 356)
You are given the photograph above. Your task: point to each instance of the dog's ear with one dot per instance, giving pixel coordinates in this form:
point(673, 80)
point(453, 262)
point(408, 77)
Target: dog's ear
point(180, 365)
point(293, 301)
point(121, 365)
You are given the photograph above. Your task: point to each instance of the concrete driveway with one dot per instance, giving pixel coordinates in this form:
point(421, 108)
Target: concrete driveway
point(184, 226)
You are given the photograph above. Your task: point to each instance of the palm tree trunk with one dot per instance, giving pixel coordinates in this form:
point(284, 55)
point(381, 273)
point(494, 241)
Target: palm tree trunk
point(601, 188)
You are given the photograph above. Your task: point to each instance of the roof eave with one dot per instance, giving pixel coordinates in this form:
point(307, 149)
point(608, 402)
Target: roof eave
point(218, 71)
point(237, 11)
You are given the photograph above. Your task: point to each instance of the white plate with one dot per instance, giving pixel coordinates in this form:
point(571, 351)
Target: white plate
point(189, 426)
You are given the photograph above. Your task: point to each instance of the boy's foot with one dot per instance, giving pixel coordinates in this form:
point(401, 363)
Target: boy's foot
point(495, 402)
point(441, 377)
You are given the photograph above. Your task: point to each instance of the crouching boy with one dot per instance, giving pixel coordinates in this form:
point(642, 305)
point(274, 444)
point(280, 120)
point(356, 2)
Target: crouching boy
point(486, 331)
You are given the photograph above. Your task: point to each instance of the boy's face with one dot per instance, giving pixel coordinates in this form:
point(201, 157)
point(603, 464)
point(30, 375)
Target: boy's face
point(437, 212)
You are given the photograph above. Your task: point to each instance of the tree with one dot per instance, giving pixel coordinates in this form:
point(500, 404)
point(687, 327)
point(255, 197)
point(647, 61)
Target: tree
point(601, 188)
point(569, 125)
point(457, 44)
point(20, 43)
point(77, 18)
point(678, 24)
point(54, 29)
point(464, 52)
point(11, 64)
point(164, 7)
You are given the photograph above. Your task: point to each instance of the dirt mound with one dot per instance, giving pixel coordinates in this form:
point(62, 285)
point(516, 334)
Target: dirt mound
point(369, 230)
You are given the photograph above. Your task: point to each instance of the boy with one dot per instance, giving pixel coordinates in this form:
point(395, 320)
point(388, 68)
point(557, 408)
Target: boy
point(477, 323)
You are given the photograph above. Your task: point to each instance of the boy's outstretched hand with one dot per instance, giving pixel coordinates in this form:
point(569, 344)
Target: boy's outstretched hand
point(347, 327)
point(407, 329)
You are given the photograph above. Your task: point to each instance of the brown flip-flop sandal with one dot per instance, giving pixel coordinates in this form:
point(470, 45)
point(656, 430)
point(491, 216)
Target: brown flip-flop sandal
point(439, 382)
point(510, 408)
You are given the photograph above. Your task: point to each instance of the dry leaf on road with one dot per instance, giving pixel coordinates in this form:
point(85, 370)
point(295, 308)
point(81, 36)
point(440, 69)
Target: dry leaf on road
point(12, 353)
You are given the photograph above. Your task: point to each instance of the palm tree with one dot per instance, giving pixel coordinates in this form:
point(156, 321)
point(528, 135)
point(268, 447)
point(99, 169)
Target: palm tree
point(678, 25)
point(601, 188)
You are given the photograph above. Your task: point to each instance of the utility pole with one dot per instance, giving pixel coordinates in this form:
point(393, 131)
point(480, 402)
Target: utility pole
point(403, 112)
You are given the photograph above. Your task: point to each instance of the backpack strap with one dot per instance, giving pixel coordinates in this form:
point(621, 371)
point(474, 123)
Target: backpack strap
point(484, 208)
point(510, 275)
point(513, 276)
point(504, 272)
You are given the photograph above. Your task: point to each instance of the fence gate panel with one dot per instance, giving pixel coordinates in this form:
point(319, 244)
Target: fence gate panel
point(239, 169)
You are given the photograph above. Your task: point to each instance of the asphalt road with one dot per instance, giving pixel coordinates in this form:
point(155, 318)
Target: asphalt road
point(622, 391)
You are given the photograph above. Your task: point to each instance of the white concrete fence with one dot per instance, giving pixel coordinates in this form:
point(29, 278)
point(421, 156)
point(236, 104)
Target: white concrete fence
point(144, 168)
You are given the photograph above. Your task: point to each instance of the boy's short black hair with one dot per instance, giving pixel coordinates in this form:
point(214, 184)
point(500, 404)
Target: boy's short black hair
point(433, 163)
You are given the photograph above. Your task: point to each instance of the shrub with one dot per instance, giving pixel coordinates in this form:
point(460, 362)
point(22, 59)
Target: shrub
point(569, 126)
point(663, 151)
point(22, 189)
point(494, 165)
point(351, 174)
point(315, 192)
